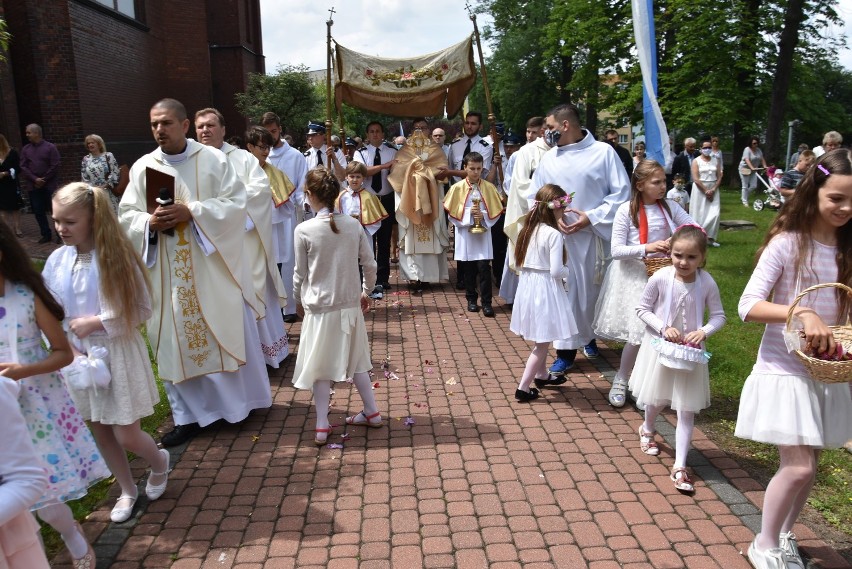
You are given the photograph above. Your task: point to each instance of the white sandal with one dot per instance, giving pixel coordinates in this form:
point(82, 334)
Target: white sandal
point(682, 480)
point(647, 444)
point(618, 392)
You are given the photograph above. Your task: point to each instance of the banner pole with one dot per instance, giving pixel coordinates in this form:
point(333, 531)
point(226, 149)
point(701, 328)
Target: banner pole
point(328, 122)
point(492, 120)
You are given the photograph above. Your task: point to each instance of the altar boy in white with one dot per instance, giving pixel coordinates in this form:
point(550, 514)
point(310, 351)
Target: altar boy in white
point(464, 203)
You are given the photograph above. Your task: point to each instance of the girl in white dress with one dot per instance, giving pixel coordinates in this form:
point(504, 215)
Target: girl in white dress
point(705, 201)
point(56, 429)
point(641, 228)
point(334, 344)
point(809, 243)
point(102, 284)
point(542, 313)
point(672, 308)
point(24, 479)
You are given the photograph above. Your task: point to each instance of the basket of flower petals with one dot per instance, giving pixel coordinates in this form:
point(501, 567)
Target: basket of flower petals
point(827, 367)
point(680, 355)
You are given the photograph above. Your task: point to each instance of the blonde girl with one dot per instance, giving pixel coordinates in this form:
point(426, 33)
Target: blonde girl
point(809, 243)
point(542, 312)
point(102, 285)
point(641, 228)
point(334, 344)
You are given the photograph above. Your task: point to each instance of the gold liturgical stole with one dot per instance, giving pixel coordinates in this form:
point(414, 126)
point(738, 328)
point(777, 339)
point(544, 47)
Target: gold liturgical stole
point(370, 206)
point(279, 183)
point(413, 178)
point(457, 198)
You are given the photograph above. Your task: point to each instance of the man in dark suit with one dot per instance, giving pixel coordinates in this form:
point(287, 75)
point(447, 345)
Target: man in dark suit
point(683, 162)
point(611, 136)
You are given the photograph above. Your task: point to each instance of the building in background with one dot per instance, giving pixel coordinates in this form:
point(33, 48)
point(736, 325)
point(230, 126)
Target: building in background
point(78, 67)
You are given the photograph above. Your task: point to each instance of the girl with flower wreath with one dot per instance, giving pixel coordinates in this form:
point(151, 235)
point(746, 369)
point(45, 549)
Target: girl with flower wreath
point(542, 312)
point(641, 229)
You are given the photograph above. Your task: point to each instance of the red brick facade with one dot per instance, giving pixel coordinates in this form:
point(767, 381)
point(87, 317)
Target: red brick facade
point(77, 67)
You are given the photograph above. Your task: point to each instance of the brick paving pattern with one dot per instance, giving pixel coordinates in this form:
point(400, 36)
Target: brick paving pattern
point(461, 475)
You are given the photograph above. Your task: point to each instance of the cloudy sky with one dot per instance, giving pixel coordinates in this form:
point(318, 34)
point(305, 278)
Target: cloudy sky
point(295, 32)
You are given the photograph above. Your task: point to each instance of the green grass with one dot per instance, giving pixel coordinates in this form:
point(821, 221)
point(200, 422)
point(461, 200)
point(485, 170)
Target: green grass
point(734, 351)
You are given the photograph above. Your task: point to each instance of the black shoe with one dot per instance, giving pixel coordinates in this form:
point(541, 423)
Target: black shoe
point(524, 396)
point(550, 381)
point(415, 286)
point(386, 286)
point(44, 240)
point(180, 434)
point(290, 318)
point(488, 311)
point(459, 286)
point(472, 307)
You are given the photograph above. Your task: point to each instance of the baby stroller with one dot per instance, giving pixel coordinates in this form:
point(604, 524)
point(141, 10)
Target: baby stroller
point(773, 199)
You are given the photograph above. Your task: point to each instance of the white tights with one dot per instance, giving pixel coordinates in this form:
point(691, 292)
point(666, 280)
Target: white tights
point(683, 431)
point(322, 397)
point(60, 518)
point(628, 360)
point(787, 493)
point(115, 440)
point(536, 366)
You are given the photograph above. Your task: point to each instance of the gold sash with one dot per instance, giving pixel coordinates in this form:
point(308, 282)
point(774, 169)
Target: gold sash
point(457, 198)
point(371, 207)
point(281, 186)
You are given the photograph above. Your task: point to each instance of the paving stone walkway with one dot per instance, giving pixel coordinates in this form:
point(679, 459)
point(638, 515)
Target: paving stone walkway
point(461, 475)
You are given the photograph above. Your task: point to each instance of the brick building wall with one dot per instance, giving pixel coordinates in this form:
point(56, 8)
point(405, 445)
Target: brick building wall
point(77, 67)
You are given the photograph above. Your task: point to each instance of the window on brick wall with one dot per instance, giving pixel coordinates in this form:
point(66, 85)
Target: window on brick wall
point(126, 7)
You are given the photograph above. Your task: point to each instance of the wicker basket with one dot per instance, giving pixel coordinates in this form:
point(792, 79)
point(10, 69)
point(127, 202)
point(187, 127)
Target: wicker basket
point(654, 264)
point(824, 370)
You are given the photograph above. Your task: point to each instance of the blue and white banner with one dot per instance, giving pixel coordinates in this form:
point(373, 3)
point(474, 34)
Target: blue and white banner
point(656, 135)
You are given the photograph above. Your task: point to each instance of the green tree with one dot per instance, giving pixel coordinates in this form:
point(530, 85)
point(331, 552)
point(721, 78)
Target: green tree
point(5, 38)
point(289, 93)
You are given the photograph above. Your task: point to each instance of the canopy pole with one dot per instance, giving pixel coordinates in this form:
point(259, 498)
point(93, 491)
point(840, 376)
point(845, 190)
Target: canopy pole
point(328, 122)
point(492, 120)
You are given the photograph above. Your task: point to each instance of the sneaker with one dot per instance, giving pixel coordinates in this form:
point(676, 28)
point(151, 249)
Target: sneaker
point(378, 293)
point(791, 550)
point(618, 392)
point(591, 351)
point(560, 366)
point(714, 243)
point(769, 559)
point(745, 204)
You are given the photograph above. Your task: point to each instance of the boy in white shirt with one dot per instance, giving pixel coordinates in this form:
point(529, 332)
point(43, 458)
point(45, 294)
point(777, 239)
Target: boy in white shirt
point(359, 202)
point(474, 202)
point(678, 193)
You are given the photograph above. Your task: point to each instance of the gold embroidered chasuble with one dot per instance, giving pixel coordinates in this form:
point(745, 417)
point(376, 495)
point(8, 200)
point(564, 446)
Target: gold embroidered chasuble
point(422, 227)
point(197, 324)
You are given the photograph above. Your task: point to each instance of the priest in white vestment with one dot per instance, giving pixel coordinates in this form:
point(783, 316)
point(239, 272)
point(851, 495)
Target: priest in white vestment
point(521, 192)
point(292, 212)
point(423, 236)
point(202, 330)
point(592, 171)
point(259, 250)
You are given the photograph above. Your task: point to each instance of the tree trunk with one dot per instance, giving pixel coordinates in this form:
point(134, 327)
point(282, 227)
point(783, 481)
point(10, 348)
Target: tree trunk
point(793, 18)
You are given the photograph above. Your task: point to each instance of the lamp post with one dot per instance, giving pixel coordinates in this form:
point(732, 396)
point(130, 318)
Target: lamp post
point(792, 124)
